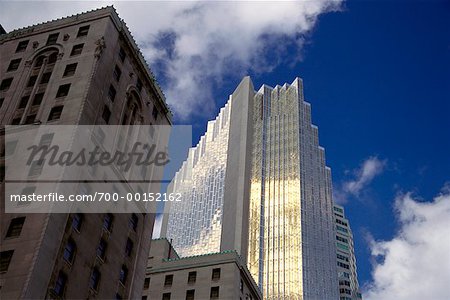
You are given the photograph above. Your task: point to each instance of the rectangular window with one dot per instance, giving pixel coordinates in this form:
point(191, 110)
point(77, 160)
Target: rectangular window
point(146, 283)
point(166, 296)
point(55, 113)
point(76, 50)
point(190, 294)
point(214, 292)
point(46, 77)
point(63, 90)
point(95, 279)
point(117, 73)
point(77, 220)
point(5, 259)
point(69, 251)
point(106, 114)
point(112, 93)
point(36, 167)
point(139, 85)
point(155, 112)
point(15, 121)
point(38, 99)
point(128, 247)
point(123, 274)
point(107, 222)
point(10, 148)
point(14, 65)
point(122, 54)
point(144, 298)
point(52, 38)
point(32, 81)
point(70, 70)
point(83, 31)
point(1, 101)
point(22, 46)
point(60, 284)
point(168, 280)
point(30, 119)
point(101, 249)
point(15, 227)
point(6, 83)
point(134, 221)
point(24, 101)
point(215, 274)
point(192, 277)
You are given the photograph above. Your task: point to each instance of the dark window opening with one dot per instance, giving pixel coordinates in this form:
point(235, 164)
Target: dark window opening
point(76, 50)
point(14, 65)
point(46, 77)
point(106, 114)
point(83, 31)
point(77, 221)
point(15, 227)
point(192, 277)
point(122, 54)
point(190, 294)
point(155, 112)
point(36, 167)
point(1, 101)
point(32, 81)
point(55, 113)
point(134, 221)
point(60, 284)
point(117, 73)
point(30, 119)
point(24, 101)
point(123, 274)
point(53, 58)
point(166, 296)
point(168, 280)
point(146, 283)
point(128, 247)
point(63, 90)
point(107, 222)
point(216, 274)
point(112, 93)
point(38, 99)
point(95, 279)
point(6, 83)
point(139, 85)
point(101, 249)
point(15, 121)
point(22, 46)
point(52, 38)
point(214, 292)
point(70, 70)
point(5, 260)
point(69, 251)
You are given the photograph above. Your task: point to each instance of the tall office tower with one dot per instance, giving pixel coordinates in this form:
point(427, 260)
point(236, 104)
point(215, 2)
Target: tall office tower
point(82, 69)
point(276, 190)
point(346, 260)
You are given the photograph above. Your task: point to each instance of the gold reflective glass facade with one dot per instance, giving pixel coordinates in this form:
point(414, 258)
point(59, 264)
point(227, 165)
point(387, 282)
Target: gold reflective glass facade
point(291, 237)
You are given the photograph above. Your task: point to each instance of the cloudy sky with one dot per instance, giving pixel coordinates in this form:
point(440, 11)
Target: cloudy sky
point(377, 74)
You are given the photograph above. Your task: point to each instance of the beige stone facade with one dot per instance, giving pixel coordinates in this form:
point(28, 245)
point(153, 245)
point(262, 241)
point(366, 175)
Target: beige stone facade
point(212, 276)
point(83, 69)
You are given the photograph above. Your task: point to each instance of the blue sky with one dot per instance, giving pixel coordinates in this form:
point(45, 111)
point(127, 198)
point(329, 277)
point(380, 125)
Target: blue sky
point(377, 74)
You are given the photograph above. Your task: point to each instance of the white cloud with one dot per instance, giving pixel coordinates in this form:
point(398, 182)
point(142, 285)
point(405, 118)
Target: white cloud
point(370, 168)
point(362, 177)
point(196, 44)
point(415, 264)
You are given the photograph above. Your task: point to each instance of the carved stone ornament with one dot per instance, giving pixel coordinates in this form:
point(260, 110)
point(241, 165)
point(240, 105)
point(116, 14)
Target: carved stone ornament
point(35, 44)
point(100, 46)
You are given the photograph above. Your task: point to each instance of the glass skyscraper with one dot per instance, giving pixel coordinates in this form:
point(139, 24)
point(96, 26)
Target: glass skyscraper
point(346, 261)
point(265, 193)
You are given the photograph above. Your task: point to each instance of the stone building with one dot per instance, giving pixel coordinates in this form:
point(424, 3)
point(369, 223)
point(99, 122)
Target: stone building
point(82, 69)
point(221, 275)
